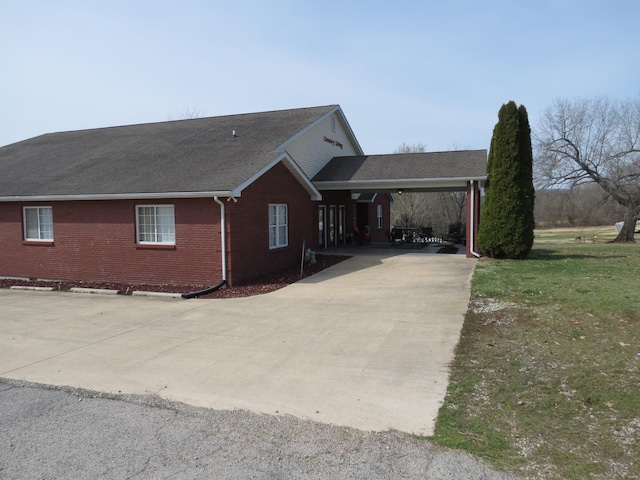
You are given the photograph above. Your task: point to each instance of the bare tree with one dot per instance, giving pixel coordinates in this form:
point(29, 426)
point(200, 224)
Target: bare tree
point(411, 148)
point(582, 205)
point(411, 209)
point(453, 210)
point(442, 213)
point(593, 140)
point(187, 114)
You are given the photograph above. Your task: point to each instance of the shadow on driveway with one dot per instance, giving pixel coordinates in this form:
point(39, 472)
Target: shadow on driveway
point(365, 343)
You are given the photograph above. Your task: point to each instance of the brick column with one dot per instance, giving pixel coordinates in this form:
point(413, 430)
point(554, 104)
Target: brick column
point(473, 217)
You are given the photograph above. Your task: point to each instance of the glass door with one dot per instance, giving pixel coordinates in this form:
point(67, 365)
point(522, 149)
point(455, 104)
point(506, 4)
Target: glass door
point(322, 229)
point(341, 224)
point(333, 238)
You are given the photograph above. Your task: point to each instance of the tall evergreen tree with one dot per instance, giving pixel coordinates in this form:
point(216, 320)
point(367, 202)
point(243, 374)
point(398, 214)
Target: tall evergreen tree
point(525, 180)
point(506, 221)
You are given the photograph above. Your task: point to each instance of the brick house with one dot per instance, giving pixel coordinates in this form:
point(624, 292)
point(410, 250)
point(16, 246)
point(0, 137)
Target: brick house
point(186, 202)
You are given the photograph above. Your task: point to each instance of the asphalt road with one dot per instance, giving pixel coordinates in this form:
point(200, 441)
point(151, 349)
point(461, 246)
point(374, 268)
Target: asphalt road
point(59, 432)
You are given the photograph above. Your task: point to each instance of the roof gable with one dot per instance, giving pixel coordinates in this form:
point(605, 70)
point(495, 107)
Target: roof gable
point(182, 158)
point(293, 168)
point(337, 111)
point(315, 146)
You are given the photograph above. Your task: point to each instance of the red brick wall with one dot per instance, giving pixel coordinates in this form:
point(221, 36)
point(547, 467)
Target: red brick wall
point(96, 241)
point(380, 234)
point(248, 225)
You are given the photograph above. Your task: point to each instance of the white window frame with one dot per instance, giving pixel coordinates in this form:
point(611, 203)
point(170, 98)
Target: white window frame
point(156, 232)
point(379, 215)
point(278, 225)
point(44, 224)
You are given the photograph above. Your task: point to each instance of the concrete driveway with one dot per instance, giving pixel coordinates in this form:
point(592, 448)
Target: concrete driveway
point(364, 344)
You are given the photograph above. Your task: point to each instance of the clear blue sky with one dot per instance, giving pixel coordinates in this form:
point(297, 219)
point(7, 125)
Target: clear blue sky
point(417, 71)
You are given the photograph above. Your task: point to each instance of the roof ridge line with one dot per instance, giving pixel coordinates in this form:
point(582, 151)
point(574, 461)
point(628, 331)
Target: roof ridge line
point(140, 124)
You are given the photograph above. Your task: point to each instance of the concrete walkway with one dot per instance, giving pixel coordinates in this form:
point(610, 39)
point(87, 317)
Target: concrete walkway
point(364, 344)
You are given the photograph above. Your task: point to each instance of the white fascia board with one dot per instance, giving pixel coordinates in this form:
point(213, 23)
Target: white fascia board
point(115, 196)
point(392, 184)
point(371, 200)
point(297, 172)
point(347, 127)
point(292, 166)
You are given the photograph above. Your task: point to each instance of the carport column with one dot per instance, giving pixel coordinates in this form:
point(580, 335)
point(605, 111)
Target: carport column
point(473, 217)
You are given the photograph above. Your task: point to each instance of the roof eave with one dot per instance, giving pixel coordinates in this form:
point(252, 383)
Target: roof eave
point(115, 196)
point(394, 184)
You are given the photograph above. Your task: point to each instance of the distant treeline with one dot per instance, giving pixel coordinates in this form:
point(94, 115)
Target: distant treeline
point(445, 213)
point(581, 206)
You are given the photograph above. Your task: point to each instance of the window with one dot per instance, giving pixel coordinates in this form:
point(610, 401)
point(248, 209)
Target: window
point(38, 224)
point(379, 216)
point(156, 224)
point(278, 226)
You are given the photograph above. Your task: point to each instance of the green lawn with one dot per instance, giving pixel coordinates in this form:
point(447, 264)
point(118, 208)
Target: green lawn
point(546, 379)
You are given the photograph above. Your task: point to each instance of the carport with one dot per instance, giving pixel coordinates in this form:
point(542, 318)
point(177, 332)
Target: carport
point(453, 171)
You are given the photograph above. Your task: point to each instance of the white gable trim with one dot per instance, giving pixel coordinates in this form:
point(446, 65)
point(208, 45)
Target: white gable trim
point(292, 166)
point(369, 200)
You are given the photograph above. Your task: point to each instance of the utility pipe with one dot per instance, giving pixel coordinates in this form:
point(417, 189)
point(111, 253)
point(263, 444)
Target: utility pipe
point(223, 237)
point(223, 242)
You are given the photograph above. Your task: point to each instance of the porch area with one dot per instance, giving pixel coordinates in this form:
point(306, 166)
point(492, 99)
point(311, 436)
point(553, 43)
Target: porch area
point(390, 249)
point(395, 175)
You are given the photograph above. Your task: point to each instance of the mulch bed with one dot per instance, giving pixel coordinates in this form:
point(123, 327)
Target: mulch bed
point(263, 284)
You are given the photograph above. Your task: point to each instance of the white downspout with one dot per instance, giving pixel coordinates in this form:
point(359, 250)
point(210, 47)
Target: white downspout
point(223, 237)
point(473, 219)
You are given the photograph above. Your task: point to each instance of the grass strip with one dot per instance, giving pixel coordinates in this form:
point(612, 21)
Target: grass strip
point(546, 378)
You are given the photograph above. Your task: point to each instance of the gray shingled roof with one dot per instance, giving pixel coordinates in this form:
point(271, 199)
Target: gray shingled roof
point(197, 155)
point(462, 164)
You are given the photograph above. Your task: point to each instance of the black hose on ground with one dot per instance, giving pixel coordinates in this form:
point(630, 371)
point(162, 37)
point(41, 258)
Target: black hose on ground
point(187, 296)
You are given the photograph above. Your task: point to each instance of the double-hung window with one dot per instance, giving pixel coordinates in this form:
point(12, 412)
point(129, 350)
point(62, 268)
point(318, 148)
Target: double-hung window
point(155, 224)
point(379, 216)
point(38, 224)
point(278, 236)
